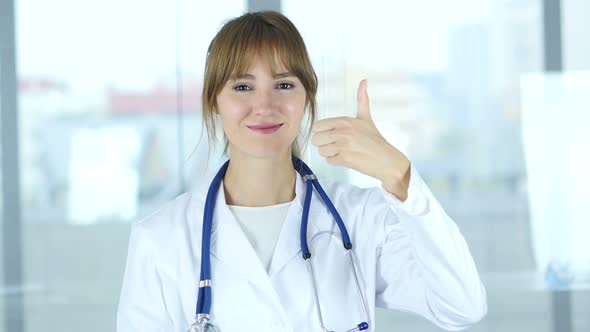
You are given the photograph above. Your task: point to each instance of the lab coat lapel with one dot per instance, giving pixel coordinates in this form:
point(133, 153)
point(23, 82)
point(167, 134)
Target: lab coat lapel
point(230, 245)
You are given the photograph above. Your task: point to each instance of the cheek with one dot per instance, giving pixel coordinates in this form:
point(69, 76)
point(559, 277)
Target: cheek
point(295, 113)
point(296, 106)
point(231, 112)
point(301, 110)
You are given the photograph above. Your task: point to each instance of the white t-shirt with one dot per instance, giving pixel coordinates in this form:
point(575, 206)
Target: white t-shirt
point(262, 226)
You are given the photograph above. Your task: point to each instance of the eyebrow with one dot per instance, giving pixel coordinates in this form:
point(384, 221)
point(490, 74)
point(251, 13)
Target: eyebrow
point(252, 77)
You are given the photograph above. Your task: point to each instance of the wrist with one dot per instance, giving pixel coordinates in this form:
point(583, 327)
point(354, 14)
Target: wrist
point(397, 180)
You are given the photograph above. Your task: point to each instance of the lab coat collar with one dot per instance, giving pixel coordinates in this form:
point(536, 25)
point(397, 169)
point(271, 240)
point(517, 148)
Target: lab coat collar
point(230, 245)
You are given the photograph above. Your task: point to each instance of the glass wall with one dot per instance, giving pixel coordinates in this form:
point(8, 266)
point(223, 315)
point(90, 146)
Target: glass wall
point(109, 126)
point(459, 87)
point(109, 129)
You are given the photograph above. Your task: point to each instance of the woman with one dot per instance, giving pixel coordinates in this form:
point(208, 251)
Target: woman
point(273, 248)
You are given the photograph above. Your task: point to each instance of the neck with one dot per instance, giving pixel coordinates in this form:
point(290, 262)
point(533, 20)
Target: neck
point(255, 182)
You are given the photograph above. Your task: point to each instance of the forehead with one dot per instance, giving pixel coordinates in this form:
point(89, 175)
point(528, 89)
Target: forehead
point(259, 67)
point(265, 59)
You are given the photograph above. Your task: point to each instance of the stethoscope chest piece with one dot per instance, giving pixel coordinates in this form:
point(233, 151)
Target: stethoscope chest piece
point(202, 327)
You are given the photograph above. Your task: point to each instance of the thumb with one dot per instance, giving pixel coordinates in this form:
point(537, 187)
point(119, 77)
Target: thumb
point(363, 112)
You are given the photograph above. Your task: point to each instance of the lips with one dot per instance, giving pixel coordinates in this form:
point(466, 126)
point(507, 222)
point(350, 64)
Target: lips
point(265, 125)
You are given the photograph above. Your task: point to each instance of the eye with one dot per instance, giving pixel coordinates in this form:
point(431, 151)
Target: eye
point(241, 87)
point(288, 86)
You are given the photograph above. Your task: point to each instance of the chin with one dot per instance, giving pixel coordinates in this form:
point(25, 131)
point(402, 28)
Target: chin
point(266, 152)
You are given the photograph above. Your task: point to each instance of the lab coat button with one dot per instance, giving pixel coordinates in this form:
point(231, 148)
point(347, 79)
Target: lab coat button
point(276, 324)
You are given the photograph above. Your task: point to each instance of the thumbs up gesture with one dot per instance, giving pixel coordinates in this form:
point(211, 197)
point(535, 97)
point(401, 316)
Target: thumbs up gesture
point(356, 143)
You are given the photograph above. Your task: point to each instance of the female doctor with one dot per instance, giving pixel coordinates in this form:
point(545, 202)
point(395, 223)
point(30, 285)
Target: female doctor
point(265, 245)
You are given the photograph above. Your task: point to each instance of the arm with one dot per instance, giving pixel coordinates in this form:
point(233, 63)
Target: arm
point(141, 304)
point(424, 265)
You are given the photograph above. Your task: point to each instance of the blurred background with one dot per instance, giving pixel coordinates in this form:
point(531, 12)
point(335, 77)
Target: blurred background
point(101, 124)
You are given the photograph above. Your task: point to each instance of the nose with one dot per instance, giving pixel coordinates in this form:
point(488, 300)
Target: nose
point(265, 102)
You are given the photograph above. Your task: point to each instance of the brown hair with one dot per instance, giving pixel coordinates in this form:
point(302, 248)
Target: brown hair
point(270, 35)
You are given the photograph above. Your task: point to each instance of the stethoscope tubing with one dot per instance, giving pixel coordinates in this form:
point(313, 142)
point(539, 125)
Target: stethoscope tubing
point(310, 177)
point(204, 295)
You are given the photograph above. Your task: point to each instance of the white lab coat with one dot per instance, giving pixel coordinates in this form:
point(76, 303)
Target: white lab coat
point(410, 257)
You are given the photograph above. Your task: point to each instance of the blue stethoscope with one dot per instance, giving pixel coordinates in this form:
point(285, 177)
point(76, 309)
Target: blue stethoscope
point(202, 323)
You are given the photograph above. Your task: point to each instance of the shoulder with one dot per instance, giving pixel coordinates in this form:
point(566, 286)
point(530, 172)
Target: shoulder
point(354, 202)
point(342, 193)
point(364, 210)
point(169, 220)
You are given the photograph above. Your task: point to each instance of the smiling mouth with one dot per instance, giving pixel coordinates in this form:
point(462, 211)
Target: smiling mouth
point(265, 126)
point(265, 129)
